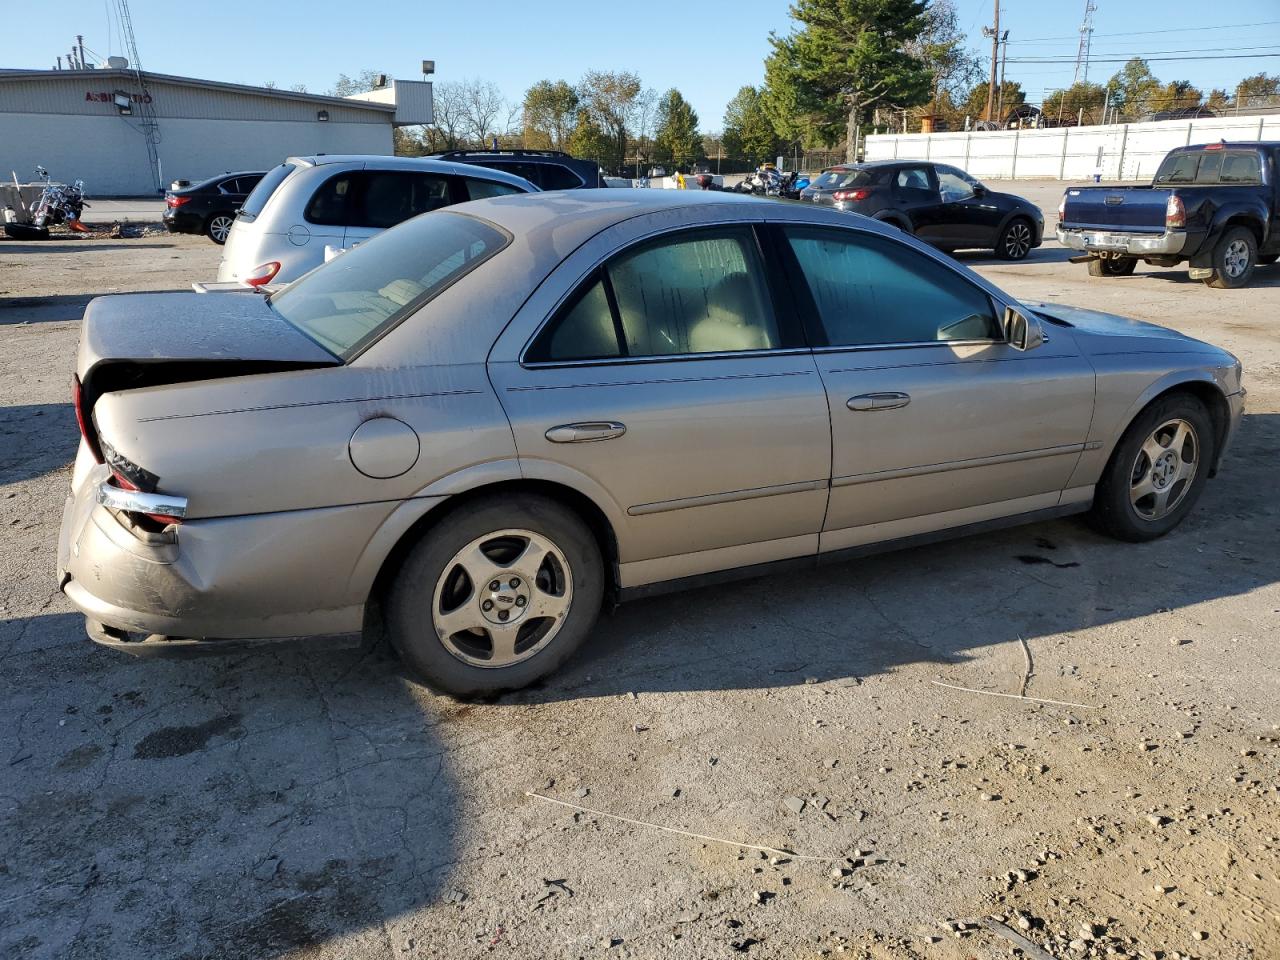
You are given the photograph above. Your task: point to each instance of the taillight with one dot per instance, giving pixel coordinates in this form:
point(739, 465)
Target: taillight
point(127, 475)
point(172, 201)
point(1062, 208)
point(263, 274)
point(82, 420)
point(860, 194)
point(1175, 214)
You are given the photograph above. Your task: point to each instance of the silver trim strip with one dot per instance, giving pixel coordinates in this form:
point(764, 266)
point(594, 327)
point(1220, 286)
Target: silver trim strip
point(665, 358)
point(665, 506)
point(135, 501)
point(957, 465)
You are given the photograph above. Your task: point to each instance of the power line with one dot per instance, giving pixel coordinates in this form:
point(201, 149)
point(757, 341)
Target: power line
point(1144, 33)
point(1071, 60)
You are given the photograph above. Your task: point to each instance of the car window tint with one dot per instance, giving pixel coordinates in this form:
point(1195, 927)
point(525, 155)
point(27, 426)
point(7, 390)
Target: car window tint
point(556, 177)
point(583, 331)
point(871, 290)
point(839, 179)
point(913, 178)
point(351, 300)
point(699, 293)
point(1241, 167)
point(954, 187)
point(1178, 168)
point(390, 197)
point(481, 189)
point(328, 205)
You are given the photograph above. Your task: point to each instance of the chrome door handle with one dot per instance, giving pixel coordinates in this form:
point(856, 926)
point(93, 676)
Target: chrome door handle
point(878, 401)
point(586, 432)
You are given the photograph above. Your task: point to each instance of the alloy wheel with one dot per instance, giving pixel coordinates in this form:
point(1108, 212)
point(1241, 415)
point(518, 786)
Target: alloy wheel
point(1017, 240)
point(1164, 469)
point(219, 228)
point(1236, 259)
point(502, 598)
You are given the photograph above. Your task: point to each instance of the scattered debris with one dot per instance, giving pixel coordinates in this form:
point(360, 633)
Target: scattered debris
point(794, 804)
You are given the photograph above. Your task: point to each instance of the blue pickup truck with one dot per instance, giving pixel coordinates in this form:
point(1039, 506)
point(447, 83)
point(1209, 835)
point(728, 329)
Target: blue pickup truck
point(1215, 207)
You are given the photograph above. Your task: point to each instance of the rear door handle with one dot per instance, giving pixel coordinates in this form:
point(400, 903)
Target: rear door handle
point(586, 432)
point(878, 401)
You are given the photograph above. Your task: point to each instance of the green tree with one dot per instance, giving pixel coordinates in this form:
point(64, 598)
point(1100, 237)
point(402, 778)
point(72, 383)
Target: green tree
point(1219, 100)
point(974, 105)
point(588, 139)
point(676, 138)
point(1132, 88)
point(611, 100)
point(748, 132)
point(1259, 90)
point(941, 47)
point(1177, 95)
point(849, 56)
point(550, 113)
point(1067, 104)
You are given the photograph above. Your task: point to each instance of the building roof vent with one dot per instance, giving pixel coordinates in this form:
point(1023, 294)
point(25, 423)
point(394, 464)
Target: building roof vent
point(117, 63)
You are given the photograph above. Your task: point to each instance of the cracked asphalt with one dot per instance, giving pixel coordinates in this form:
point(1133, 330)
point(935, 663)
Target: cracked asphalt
point(315, 803)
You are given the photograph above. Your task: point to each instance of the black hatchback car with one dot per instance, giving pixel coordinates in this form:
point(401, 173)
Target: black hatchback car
point(940, 204)
point(549, 169)
point(209, 207)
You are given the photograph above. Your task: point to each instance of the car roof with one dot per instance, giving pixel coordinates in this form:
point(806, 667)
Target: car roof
point(384, 162)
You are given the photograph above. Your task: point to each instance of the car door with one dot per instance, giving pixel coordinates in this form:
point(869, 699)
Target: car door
point(914, 192)
point(668, 386)
point(969, 214)
point(380, 199)
point(936, 421)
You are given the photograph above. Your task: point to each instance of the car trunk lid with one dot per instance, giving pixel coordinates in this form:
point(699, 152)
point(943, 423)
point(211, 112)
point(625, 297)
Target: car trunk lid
point(1123, 209)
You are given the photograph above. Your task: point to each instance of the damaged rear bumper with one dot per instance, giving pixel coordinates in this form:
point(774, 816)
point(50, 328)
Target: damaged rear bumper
point(213, 585)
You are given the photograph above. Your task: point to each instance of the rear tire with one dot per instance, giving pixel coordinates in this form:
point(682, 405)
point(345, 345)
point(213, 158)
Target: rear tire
point(1233, 259)
point(25, 231)
point(524, 559)
point(1154, 478)
point(1112, 266)
point(218, 226)
point(1015, 239)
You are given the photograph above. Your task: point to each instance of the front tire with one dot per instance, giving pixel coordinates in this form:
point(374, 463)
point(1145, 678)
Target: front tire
point(1112, 266)
point(1157, 472)
point(218, 227)
point(497, 595)
point(1015, 240)
point(1233, 259)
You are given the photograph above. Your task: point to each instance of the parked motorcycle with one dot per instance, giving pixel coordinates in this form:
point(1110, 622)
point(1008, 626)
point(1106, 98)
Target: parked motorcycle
point(58, 203)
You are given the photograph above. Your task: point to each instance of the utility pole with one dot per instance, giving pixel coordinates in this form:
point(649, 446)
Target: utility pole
point(1004, 59)
point(994, 33)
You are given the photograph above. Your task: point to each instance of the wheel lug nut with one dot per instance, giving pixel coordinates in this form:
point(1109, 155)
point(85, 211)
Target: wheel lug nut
point(515, 582)
point(487, 605)
point(502, 615)
point(495, 585)
point(520, 601)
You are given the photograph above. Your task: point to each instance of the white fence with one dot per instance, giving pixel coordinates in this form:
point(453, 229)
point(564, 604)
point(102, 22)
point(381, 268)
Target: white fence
point(1123, 151)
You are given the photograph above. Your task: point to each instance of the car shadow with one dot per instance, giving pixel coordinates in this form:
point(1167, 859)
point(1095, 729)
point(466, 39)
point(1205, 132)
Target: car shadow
point(73, 246)
point(30, 446)
point(1044, 254)
point(296, 801)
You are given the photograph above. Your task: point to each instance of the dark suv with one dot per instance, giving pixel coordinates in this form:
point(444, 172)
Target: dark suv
point(549, 169)
point(209, 207)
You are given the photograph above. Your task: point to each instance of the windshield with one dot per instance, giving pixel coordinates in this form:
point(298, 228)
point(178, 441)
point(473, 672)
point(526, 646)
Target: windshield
point(353, 299)
point(840, 179)
point(258, 198)
point(1210, 166)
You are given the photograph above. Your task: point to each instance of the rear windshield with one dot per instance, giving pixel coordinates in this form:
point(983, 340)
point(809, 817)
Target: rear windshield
point(840, 179)
point(258, 198)
point(350, 301)
point(1210, 166)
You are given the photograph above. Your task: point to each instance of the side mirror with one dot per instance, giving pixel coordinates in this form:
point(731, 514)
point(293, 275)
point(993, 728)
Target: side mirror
point(979, 190)
point(1020, 331)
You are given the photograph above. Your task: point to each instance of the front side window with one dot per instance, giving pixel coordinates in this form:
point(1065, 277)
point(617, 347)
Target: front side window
point(351, 300)
point(483, 189)
point(953, 185)
point(692, 293)
point(556, 177)
point(869, 290)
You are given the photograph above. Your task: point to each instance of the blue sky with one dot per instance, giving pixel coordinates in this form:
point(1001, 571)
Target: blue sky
point(707, 50)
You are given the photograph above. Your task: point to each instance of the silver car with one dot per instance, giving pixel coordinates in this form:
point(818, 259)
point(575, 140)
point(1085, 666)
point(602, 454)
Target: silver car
point(476, 428)
point(308, 204)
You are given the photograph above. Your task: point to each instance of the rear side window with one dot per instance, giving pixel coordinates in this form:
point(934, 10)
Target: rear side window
point(867, 290)
point(376, 198)
point(347, 303)
point(256, 200)
point(556, 177)
point(690, 293)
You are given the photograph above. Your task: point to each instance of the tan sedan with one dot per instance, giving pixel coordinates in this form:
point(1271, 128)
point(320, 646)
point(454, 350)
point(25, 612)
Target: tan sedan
point(473, 429)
